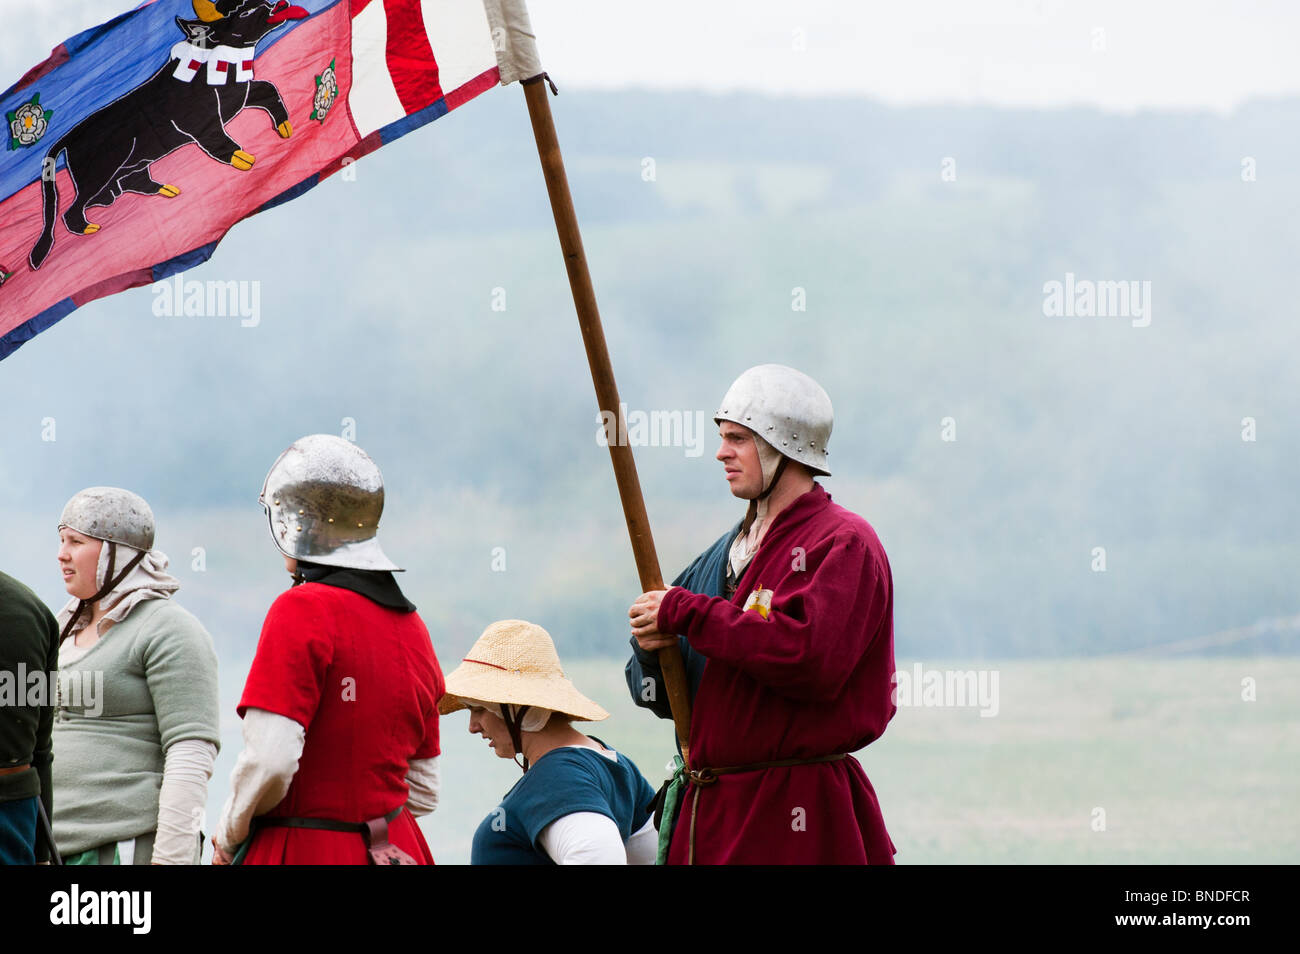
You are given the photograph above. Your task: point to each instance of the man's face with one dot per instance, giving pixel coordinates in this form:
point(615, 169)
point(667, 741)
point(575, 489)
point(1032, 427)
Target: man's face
point(739, 456)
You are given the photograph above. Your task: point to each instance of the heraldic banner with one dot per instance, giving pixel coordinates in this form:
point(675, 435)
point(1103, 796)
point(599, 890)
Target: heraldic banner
point(132, 150)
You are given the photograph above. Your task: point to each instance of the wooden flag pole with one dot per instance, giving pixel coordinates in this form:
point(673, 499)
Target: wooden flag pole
point(602, 375)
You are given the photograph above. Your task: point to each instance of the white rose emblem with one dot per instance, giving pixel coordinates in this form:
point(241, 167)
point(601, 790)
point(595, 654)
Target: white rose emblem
point(327, 90)
point(28, 123)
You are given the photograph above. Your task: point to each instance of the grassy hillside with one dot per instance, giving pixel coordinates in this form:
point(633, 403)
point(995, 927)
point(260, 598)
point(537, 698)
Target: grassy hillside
point(1183, 770)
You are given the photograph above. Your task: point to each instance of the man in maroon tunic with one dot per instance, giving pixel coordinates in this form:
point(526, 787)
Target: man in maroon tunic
point(787, 628)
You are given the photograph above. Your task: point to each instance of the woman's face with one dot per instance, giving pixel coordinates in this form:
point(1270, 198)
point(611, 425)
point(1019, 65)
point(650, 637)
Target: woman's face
point(493, 728)
point(78, 559)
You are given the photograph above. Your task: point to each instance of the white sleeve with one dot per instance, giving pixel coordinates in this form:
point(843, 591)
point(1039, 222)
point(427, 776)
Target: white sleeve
point(643, 846)
point(422, 781)
point(187, 766)
point(272, 746)
point(583, 838)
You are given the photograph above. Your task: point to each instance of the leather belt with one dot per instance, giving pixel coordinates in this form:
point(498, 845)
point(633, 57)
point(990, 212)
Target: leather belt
point(322, 824)
point(702, 778)
point(708, 776)
point(379, 850)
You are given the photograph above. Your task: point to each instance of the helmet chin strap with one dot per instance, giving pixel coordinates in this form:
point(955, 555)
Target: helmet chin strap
point(752, 513)
point(515, 723)
point(110, 584)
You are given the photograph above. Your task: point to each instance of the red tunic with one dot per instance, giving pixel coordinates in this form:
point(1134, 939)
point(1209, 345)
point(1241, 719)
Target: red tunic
point(813, 679)
point(364, 682)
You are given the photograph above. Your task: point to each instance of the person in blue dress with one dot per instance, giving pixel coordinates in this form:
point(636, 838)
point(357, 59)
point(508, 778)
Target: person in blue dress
point(579, 801)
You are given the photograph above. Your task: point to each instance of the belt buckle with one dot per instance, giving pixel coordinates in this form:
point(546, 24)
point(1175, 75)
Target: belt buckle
point(702, 777)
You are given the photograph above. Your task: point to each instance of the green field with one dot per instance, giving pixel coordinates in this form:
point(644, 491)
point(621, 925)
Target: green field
point(1185, 770)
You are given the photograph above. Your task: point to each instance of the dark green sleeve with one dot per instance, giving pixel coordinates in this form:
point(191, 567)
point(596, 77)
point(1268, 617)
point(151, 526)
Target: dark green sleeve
point(43, 752)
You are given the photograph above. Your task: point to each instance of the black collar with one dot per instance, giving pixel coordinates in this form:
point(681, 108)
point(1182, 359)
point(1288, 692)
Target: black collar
point(376, 585)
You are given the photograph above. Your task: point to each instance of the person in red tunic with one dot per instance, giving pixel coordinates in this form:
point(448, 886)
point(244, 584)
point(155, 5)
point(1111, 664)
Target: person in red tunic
point(340, 708)
point(791, 649)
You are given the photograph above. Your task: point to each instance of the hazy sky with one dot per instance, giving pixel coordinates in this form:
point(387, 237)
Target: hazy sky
point(1039, 53)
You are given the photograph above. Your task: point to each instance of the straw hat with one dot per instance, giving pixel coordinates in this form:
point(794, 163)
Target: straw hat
point(515, 662)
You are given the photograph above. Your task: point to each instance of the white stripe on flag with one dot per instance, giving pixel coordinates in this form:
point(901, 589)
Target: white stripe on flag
point(373, 99)
point(461, 39)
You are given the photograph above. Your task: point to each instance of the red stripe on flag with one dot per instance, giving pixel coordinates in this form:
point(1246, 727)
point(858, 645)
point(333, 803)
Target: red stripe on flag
point(471, 88)
point(57, 58)
point(363, 148)
point(111, 286)
point(410, 57)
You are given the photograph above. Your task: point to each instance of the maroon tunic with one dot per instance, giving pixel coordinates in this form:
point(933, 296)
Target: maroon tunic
point(364, 682)
point(812, 679)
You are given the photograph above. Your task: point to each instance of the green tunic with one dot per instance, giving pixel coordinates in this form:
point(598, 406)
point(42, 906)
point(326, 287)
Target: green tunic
point(29, 652)
point(149, 681)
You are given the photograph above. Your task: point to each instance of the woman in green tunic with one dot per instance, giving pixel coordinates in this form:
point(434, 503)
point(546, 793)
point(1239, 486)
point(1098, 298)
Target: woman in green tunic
point(137, 727)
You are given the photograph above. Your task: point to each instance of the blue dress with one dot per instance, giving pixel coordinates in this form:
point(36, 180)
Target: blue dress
point(562, 782)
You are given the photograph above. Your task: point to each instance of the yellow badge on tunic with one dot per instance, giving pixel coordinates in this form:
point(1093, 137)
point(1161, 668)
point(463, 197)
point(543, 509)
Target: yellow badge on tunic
point(760, 600)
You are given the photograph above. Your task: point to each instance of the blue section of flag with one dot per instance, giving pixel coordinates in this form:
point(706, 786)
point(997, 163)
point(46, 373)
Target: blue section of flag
point(301, 188)
point(31, 328)
point(184, 262)
point(412, 122)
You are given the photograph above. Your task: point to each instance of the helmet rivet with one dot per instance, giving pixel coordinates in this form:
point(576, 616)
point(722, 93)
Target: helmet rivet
point(331, 519)
point(748, 418)
point(795, 436)
point(812, 443)
point(301, 512)
point(783, 443)
point(276, 502)
point(361, 525)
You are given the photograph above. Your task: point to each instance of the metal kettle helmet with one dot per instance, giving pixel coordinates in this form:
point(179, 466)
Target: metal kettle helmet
point(787, 409)
point(110, 514)
point(119, 518)
point(323, 498)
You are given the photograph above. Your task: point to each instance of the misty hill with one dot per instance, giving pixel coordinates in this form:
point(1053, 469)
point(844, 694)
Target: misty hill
point(924, 301)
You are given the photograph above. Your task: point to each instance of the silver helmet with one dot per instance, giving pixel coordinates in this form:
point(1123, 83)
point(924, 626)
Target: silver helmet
point(786, 408)
point(111, 514)
point(323, 498)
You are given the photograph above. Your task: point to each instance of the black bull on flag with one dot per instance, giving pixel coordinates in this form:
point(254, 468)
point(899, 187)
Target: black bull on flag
point(206, 83)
